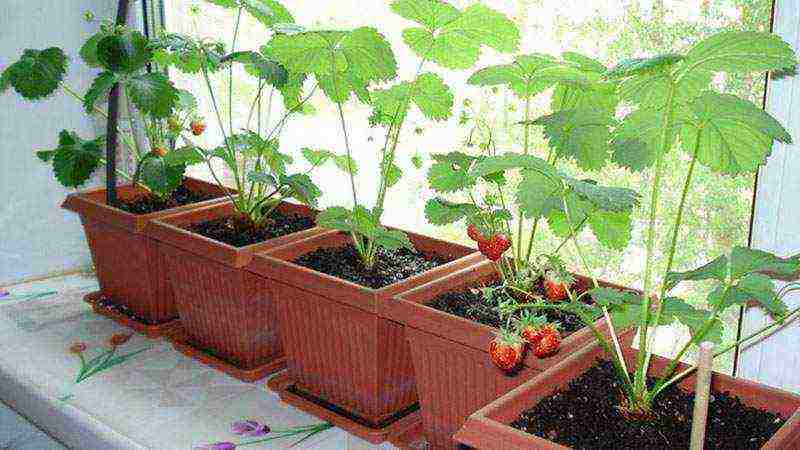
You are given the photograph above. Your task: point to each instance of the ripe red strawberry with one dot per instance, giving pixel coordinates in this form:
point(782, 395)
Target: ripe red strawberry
point(197, 127)
point(530, 328)
point(474, 233)
point(494, 247)
point(505, 350)
point(160, 151)
point(555, 290)
point(549, 342)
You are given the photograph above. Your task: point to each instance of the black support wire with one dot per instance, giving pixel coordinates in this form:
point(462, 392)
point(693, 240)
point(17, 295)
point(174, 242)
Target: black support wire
point(113, 119)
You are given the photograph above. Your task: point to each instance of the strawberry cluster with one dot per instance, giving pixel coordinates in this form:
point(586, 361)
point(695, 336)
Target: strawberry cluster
point(507, 349)
point(493, 246)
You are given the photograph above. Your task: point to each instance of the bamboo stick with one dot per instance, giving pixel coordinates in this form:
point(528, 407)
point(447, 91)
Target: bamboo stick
point(702, 394)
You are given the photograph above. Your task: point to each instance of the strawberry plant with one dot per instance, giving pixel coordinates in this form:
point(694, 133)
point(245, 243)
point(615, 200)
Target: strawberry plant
point(508, 195)
point(677, 110)
point(348, 62)
point(250, 149)
point(122, 56)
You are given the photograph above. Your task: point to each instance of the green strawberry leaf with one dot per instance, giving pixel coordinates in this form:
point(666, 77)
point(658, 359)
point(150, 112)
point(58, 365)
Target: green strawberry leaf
point(637, 140)
point(318, 157)
point(450, 172)
point(745, 261)
point(713, 270)
point(74, 160)
point(37, 73)
point(735, 135)
point(579, 134)
point(184, 157)
point(153, 93)
point(433, 14)
point(604, 198)
point(262, 178)
point(738, 52)
point(754, 287)
point(453, 38)
point(523, 76)
point(126, 52)
point(537, 194)
point(344, 62)
point(647, 81)
point(391, 239)
point(268, 12)
point(443, 212)
point(159, 176)
point(508, 161)
point(433, 98)
point(260, 66)
point(301, 188)
point(612, 229)
point(760, 289)
point(187, 54)
point(88, 51)
point(99, 89)
point(335, 218)
point(563, 224)
point(695, 319)
point(393, 175)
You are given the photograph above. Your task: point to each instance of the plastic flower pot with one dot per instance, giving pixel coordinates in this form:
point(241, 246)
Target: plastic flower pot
point(347, 363)
point(488, 427)
point(228, 318)
point(454, 373)
point(130, 270)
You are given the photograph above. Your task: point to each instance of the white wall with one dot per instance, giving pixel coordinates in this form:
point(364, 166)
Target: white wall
point(776, 360)
point(36, 236)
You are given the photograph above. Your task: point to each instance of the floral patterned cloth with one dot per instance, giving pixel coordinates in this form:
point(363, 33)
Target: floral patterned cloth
point(158, 399)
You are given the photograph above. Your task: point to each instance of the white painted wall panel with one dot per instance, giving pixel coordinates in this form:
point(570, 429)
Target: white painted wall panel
point(36, 236)
point(776, 360)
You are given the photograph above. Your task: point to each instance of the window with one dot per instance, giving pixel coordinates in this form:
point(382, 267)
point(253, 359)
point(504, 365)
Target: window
point(610, 30)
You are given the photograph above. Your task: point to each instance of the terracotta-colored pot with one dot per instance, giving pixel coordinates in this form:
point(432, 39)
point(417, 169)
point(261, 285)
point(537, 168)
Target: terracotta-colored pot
point(455, 376)
point(130, 269)
point(488, 427)
point(227, 314)
point(340, 351)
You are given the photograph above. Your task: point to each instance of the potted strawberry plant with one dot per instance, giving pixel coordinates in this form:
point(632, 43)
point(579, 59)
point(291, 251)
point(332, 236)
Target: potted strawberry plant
point(227, 314)
point(646, 400)
point(332, 288)
point(464, 321)
point(133, 287)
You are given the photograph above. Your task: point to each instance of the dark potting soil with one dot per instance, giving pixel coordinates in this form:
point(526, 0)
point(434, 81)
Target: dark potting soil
point(586, 416)
point(471, 305)
point(239, 232)
point(148, 204)
point(390, 266)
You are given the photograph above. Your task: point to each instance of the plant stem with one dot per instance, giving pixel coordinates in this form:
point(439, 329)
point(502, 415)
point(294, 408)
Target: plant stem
point(644, 320)
point(675, 232)
point(230, 69)
point(525, 149)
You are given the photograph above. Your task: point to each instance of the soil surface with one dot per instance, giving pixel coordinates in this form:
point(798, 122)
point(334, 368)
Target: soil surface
point(586, 416)
point(471, 305)
point(390, 266)
point(240, 231)
point(148, 203)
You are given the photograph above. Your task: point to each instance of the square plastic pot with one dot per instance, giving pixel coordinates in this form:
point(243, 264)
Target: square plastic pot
point(228, 318)
point(488, 428)
point(129, 266)
point(341, 352)
point(454, 373)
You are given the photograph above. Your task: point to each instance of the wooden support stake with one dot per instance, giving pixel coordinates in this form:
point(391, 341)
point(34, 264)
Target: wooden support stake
point(702, 391)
